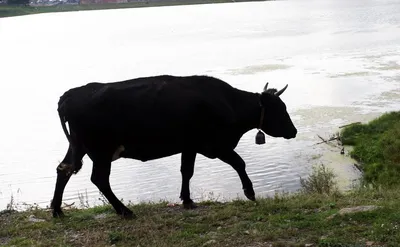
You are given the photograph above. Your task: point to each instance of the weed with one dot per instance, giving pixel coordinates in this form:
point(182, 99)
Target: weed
point(103, 199)
point(11, 205)
point(84, 200)
point(321, 181)
point(115, 236)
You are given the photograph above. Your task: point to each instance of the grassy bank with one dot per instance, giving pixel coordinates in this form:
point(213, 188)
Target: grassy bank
point(318, 215)
point(297, 220)
point(7, 10)
point(377, 148)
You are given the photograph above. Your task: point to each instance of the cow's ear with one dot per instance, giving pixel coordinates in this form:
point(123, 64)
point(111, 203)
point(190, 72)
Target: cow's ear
point(266, 97)
point(270, 91)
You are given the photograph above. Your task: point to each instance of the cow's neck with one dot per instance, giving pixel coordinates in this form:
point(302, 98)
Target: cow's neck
point(249, 112)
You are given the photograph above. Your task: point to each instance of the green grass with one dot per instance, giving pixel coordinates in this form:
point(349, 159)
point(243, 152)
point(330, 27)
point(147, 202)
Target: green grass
point(286, 220)
point(7, 10)
point(377, 148)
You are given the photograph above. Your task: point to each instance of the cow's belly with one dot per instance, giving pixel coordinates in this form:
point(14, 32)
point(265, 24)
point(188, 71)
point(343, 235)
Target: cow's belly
point(148, 152)
point(157, 151)
point(160, 144)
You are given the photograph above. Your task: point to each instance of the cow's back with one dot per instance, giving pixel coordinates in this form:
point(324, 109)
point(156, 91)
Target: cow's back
point(146, 96)
point(162, 112)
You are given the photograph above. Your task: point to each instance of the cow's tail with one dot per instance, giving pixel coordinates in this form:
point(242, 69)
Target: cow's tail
point(62, 113)
point(74, 144)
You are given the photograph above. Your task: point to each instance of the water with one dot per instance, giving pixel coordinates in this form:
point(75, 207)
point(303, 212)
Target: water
point(341, 60)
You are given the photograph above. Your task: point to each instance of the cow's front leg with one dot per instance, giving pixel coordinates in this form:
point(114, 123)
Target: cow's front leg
point(187, 169)
point(232, 158)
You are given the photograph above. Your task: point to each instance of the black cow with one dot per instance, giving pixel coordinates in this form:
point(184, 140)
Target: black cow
point(154, 117)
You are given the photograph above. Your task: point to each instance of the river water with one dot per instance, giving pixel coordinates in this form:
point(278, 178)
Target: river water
point(340, 58)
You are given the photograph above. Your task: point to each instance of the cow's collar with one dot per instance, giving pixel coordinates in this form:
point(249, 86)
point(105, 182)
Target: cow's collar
point(260, 137)
point(261, 117)
point(262, 112)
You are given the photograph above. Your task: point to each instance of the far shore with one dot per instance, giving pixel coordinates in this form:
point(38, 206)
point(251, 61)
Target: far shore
point(11, 10)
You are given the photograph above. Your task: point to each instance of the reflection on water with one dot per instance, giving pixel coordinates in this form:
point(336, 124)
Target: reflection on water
point(250, 70)
point(341, 61)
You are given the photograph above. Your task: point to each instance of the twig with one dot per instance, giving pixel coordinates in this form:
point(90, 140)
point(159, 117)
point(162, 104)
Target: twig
point(68, 205)
point(321, 138)
point(349, 124)
point(332, 139)
point(358, 167)
point(326, 141)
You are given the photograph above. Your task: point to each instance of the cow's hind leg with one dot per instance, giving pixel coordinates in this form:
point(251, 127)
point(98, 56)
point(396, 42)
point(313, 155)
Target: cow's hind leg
point(233, 159)
point(101, 178)
point(69, 165)
point(187, 169)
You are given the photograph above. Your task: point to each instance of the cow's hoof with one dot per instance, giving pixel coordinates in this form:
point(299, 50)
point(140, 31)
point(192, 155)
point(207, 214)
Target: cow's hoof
point(189, 205)
point(58, 213)
point(249, 193)
point(127, 214)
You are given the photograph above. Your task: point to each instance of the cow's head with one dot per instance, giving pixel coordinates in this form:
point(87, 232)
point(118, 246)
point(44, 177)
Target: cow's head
point(276, 121)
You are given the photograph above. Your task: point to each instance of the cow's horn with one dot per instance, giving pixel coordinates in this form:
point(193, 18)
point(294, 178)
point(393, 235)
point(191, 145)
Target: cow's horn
point(266, 87)
point(281, 91)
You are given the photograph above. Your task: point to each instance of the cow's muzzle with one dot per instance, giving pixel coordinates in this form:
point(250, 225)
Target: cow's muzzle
point(291, 135)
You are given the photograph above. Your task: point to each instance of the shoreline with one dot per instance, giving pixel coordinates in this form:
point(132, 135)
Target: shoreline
point(12, 11)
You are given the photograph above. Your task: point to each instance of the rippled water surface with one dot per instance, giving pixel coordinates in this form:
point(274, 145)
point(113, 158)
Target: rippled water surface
point(341, 60)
